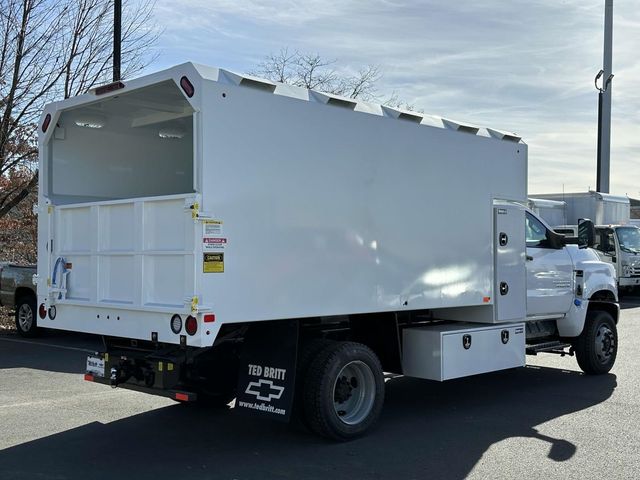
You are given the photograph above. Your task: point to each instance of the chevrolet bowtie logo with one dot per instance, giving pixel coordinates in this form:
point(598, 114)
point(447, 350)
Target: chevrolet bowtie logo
point(264, 390)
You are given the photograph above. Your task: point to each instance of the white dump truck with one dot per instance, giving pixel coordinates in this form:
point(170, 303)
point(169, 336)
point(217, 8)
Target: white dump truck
point(231, 237)
point(617, 239)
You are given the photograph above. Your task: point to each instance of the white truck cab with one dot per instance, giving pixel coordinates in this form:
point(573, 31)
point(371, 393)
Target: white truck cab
point(562, 278)
point(619, 245)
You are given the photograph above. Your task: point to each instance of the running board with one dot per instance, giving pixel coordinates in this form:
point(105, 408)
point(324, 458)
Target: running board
point(550, 347)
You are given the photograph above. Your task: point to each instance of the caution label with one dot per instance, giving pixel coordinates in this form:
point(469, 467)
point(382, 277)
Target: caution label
point(213, 263)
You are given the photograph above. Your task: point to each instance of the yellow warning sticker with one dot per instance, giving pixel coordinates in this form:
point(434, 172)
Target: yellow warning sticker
point(213, 263)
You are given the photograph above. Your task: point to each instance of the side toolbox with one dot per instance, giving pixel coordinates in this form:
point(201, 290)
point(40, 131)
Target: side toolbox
point(446, 351)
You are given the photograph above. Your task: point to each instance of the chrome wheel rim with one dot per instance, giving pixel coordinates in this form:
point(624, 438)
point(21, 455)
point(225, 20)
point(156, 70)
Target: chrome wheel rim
point(605, 344)
point(25, 317)
point(354, 392)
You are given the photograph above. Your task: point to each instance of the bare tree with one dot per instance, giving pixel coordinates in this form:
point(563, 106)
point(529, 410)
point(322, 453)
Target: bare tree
point(313, 72)
point(53, 50)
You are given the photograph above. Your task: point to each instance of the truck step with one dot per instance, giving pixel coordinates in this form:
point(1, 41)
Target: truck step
point(550, 347)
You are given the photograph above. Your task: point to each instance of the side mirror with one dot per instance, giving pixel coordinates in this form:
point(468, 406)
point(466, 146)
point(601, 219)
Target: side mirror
point(586, 233)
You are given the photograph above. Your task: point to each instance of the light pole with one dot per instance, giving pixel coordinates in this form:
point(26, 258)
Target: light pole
point(604, 104)
point(117, 28)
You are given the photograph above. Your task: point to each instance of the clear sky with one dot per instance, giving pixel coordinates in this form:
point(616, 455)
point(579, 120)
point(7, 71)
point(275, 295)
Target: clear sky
point(525, 66)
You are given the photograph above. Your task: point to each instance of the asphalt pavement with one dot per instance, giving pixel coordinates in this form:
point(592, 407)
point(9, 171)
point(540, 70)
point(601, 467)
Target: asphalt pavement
point(543, 421)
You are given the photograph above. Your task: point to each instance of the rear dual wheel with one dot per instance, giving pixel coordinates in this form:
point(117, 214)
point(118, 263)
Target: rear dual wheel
point(343, 390)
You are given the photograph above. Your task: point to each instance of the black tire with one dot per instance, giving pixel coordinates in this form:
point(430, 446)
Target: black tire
point(307, 352)
point(343, 391)
point(597, 346)
point(26, 316)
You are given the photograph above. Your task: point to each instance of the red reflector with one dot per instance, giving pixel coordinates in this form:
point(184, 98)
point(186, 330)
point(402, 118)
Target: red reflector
point(109, 88)
point(42, 311)
point(209, 318)
point(191, 325)
point(183, 397)
point(187, 86)
point(88, 377)
point(47, 121)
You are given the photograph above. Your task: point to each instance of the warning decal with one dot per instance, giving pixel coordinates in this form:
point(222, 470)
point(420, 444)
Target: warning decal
point(213, 243)
point(212, 228)
point(213, 263)
point(212, 239)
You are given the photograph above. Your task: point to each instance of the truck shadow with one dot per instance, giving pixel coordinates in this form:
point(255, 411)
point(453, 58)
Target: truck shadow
point(53, 351)
point(630, 300)
point(428, 430)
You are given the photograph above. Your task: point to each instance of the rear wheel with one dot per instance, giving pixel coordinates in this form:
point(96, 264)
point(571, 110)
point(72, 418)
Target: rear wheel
point(597, 346)
point(26, 316)
point(343, 391)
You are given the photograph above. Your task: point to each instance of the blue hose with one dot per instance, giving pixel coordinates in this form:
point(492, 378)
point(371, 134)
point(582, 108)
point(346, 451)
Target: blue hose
point(63, 262)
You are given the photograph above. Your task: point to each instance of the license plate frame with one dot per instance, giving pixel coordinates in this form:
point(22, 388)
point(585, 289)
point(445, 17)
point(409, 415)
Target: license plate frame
point(95, 366)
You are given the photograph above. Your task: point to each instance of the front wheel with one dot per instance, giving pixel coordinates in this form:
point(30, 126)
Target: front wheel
point(26, 316)
point(597, 346)
point(343, 391)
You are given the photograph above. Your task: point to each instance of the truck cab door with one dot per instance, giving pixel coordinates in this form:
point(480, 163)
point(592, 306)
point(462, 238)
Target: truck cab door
point(549, 272)
point(605, 246)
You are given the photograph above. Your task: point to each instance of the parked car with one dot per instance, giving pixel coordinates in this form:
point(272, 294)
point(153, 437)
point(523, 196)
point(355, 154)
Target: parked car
point(17, 290)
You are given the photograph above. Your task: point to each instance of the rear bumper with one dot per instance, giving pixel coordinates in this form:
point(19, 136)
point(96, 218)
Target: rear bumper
point(152, 376)
point(179, 395)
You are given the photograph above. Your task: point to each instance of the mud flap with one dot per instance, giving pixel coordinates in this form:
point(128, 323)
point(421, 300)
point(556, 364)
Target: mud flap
point(266, 379)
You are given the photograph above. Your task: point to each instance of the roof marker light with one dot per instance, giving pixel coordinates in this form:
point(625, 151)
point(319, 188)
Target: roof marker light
point(187, 86)
point(45, 124)
point(110, 87)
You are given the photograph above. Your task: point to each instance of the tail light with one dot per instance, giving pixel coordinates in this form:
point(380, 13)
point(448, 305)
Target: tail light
point(191, 325)
point(176, 324)
point(42, 311)
point(52, 312)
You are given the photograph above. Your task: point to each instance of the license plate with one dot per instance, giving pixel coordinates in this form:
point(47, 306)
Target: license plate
point(95, 365)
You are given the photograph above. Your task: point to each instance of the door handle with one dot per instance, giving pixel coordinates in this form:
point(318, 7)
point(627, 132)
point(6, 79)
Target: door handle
point(529, 258)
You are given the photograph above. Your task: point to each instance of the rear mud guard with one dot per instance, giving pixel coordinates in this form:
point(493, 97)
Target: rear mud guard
point(266, 379)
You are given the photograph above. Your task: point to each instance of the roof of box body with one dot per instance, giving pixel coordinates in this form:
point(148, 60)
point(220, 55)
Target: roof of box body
point(225, 76)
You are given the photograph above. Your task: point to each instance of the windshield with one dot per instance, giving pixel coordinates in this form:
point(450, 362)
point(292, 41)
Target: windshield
point(629, 239)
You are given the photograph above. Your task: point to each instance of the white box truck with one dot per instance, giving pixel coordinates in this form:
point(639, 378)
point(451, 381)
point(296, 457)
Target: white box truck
point(554, 212)
point(617, 239)
point(231, 237)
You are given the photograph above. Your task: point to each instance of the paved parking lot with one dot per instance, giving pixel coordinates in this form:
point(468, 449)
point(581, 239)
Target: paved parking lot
point(543, 421)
